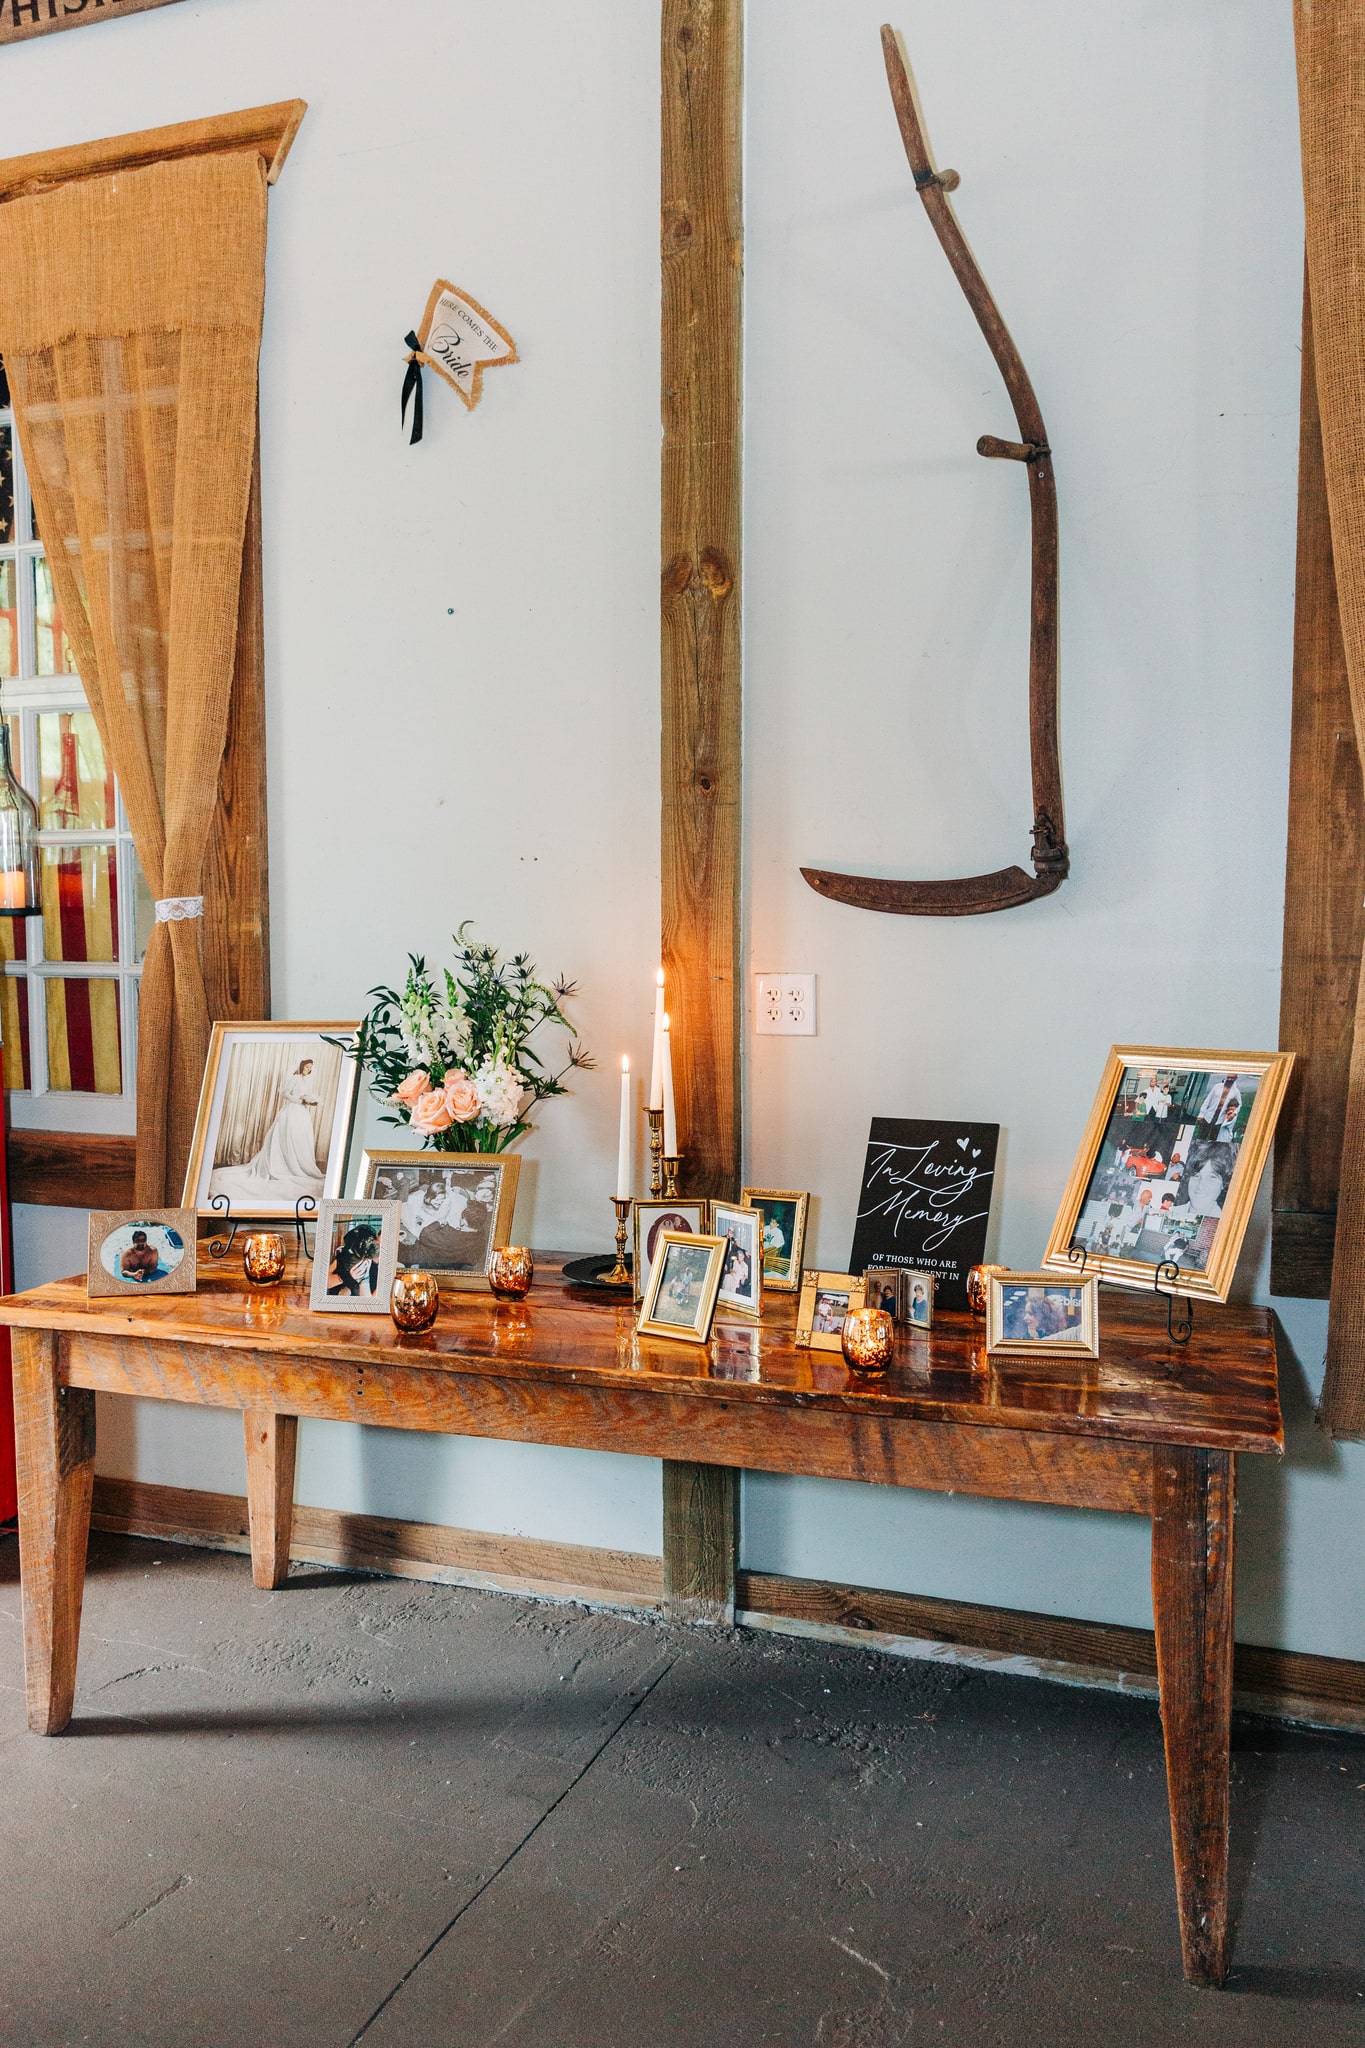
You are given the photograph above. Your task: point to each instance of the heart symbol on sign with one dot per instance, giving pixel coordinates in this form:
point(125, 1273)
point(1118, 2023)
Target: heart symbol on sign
point(963, 1143)
point(976, 1151)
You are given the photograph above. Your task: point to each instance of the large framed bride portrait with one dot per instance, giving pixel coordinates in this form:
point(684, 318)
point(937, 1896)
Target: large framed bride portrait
point(274, 1118)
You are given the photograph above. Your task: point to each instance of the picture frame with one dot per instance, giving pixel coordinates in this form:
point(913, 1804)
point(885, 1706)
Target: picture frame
point(1168, 1167)
point(883, 1288)
point(355, 1257)
point(142, 1251)
point(264, 1085)
point(741, 1280)
point(649, 1218)
point(826, 1298)
point(684, 1281)
point(1048, 1315)
point(919, 1289)
point(457, 1209)
point(784, 1234)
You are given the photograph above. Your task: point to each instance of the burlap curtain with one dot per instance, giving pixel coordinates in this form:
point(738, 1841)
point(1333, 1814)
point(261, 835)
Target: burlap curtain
point(130, 326)
point(1330, 42)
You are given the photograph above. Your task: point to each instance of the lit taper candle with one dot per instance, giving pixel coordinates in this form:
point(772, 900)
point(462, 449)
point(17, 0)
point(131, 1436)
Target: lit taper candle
point(624, 1168)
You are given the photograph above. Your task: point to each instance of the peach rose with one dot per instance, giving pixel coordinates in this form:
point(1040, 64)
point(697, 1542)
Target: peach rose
point(415, 1085)
point(462, 1098)
point(430, 1114)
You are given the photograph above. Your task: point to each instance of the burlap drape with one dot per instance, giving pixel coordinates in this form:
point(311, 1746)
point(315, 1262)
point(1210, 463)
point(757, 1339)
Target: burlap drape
point(1330, 45)
point(130, 326)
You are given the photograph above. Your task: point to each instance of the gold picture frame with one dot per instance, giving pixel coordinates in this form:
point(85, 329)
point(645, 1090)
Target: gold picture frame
point(685, 1313)
point(244, 1114)
point(1157, 1182)
point(391, 1174)
point(812, 1330)
point(142, 1251)
point(647, 1212)
point(1024, 1329)
point(784, 1209)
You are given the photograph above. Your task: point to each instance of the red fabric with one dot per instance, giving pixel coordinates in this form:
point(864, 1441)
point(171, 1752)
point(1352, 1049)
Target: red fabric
point(9, 1485)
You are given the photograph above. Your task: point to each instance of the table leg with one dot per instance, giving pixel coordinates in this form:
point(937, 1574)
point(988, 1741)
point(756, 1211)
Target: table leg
point(1192, 1544)
point(271, 1442)
point(55, 1437)
point(701, 1519)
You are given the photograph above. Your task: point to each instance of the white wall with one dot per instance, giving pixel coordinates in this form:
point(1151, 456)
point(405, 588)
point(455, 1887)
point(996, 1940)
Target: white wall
point(463, 646)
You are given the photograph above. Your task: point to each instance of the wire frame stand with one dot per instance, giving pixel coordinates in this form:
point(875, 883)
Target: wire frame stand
point(304, 1202)
point(1178, 1329)
point(219, 1247)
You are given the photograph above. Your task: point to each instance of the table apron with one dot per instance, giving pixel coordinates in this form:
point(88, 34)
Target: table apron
point(940, 1457)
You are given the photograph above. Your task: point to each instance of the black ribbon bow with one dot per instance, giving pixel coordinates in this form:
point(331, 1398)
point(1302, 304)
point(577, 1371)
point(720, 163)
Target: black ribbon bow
point(412, 389)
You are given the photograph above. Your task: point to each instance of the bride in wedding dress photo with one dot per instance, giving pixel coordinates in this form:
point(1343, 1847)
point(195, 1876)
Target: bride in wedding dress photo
point(285, 1164)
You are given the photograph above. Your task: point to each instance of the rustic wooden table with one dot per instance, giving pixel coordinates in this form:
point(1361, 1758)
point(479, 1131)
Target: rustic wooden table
point(1152, 1428)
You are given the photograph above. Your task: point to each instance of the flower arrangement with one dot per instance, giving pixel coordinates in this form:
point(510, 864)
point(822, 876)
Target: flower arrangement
point(453, 1060)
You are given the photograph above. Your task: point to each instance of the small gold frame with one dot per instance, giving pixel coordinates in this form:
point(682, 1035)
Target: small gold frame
point(643, 1207)
point(450, 1280)
point(698, 1329)
point(1086, 1344)
point(813, 1285)
point(1213, 1282)
point(785, 1278)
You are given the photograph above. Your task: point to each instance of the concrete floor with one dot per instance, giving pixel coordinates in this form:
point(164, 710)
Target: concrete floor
point(421, 1817)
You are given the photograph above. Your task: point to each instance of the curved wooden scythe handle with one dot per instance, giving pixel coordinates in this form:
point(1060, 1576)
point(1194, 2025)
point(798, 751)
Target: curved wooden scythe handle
point(1051, 861)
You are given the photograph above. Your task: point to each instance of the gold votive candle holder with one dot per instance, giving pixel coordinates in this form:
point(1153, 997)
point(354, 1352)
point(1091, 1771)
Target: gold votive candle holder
point(868, 1339)
point(978, 1287)
point(415, 1301)
point(263, 1258)
point(511, 1269)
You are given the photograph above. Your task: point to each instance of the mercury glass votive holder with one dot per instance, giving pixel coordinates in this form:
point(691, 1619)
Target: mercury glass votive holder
point(263, 1258)
point(978, 1287)
point(511, 1269)
point(868, 1339)
point(415, 1301)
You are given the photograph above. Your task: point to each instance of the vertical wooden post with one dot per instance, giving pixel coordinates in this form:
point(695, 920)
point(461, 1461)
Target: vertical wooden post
point(271, 1446)
point(701, 1528)
point(55, 1432)
point(702, 243)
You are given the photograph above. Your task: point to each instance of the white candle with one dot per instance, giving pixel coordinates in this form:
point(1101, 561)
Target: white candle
point(670, 1114)
point(656, 1071)
point(624, 1173)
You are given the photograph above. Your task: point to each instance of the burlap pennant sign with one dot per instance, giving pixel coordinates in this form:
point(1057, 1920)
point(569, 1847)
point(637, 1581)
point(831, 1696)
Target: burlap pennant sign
point(459, 340)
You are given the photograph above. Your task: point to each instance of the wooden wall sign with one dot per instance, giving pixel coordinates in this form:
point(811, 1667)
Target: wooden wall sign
point(22, 19)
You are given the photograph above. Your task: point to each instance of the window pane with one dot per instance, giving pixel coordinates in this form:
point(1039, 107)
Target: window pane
point(84, 1049)
point(144, 912)
point(6, 486)
point(9, 621)
point(76, 785)
point(54, 649)
point(14, 1025)
point(80, 902)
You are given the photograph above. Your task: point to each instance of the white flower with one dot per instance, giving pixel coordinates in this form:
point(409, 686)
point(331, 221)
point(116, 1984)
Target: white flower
point(500, 1091)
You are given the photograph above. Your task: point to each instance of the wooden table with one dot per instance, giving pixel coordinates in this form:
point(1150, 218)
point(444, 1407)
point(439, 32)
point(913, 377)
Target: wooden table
point(1151, 1429)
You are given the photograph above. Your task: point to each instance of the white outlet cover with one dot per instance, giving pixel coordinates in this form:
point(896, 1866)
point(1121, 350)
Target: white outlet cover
point(784, 1005)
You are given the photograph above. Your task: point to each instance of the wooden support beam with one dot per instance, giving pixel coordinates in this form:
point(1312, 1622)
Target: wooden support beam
point(271, 1451)
point(701, 1542)
point(702, 248)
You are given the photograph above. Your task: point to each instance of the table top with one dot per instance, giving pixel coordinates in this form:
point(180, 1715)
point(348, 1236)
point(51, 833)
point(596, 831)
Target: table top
point(1219, 1391)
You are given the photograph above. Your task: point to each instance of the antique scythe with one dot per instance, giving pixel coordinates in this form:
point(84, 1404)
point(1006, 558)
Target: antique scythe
point(1051, 861)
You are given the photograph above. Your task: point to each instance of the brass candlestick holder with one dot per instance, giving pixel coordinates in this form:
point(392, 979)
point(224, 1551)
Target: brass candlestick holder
point(619, 1275)
point(656, 1151)
point(671, 1177)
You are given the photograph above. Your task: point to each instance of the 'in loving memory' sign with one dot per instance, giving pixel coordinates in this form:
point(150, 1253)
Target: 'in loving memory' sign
point(926, 1200)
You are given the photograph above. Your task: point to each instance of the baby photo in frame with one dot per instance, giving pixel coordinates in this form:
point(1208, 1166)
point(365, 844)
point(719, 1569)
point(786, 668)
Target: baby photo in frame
point(784, 1213)
point(1042, 1314)
point(142, 1251)
point(650, 1217)
point(355, 1257)
point(456, 1209)
point(826, 1298)
point(741, 1280)
point(684, 1281)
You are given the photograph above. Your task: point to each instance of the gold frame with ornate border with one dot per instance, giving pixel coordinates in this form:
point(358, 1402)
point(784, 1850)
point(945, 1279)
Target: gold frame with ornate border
point(509, 1165)
point(812, 1283)
point(1087, 1345)
point(205, 1125)
point(754, 1198)
point(697, 1332)
point(182, 1279)
point(1214, 1282)
point(678, 1202)
point(727, 1304)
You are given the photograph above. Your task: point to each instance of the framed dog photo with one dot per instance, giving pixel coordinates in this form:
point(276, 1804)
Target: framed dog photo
point(142, 1251)
point(355, 1257)
point(649, 1220)
point(1169, 1166)
point(826, 1298)
point(456, 1208)
point(784, 1234)
point(741, 1280)
point(684, 1281)
point(274, 1118)
point(1038, 1312)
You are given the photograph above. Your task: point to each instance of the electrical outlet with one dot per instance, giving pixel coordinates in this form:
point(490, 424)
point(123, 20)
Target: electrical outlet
point(785, 1004)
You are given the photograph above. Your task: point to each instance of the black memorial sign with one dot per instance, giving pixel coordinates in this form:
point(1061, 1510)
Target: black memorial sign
point(20, 19)
point(926, 1200)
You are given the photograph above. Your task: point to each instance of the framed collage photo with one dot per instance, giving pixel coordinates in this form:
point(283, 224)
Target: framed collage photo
point(826, 1298)
point(274, 1119)
point(1169, 1166)
point(455, 1209)
point(142, 1251)
point(649, 1219)
point(1041, 1314)
point(684, 1281)
point(784, 1234)
point(741, 1280)
point(355, 1257)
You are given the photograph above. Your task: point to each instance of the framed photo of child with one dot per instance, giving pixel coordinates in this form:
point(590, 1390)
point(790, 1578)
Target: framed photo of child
point(741, 1280)
point(355, 1257)
point(684, 1281)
